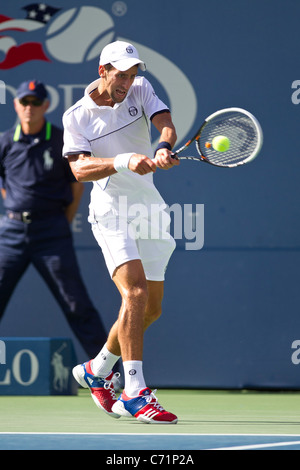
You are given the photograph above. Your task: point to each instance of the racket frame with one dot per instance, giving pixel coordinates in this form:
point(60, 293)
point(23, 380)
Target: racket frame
point(197, 136)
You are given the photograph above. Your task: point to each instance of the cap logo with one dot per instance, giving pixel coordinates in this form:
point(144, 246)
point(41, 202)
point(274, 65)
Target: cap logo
point(31, 86)
point(129, 50)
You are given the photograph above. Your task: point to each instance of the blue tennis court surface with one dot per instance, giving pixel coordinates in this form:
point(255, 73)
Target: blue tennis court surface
point(171, 442)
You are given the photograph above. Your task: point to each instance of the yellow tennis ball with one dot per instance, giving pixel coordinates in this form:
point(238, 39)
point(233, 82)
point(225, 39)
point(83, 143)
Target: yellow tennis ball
point(221, 143)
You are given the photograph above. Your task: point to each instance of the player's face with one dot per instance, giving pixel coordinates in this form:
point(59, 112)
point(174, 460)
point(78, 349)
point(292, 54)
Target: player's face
point(116, 83)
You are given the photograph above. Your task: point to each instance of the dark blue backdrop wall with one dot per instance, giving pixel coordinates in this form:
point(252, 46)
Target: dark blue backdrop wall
point(231, 309)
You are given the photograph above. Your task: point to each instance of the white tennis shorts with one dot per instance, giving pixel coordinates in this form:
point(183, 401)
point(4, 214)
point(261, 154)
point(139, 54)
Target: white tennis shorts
point(122, 240)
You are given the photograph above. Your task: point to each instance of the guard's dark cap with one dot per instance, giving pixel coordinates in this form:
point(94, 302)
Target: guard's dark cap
point(33, 88)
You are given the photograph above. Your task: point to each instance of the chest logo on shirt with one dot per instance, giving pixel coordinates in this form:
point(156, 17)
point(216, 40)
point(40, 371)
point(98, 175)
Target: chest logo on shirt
point(48, 160)
point(133, 111)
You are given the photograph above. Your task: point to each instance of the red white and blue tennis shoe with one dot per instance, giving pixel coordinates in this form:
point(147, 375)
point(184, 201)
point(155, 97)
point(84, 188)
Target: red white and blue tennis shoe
point(102, 389)
point(144, 408)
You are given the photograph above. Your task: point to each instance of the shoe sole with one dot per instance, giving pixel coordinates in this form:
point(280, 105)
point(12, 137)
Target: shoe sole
point(111, 413)
point(119, 408)
point(78, 377)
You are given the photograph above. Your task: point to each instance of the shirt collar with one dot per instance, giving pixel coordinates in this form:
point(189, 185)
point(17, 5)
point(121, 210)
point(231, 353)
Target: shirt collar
point(44, 134)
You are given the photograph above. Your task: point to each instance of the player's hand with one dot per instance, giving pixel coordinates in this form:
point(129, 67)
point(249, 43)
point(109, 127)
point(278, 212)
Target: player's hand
point(163, 159)
point(141, 164)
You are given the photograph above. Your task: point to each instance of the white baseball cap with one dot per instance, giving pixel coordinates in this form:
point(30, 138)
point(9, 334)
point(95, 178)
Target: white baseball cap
point(121, 55)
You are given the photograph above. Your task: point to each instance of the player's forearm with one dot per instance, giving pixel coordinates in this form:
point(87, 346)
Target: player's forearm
point(168, 135)
point(86, 168)
point(164, 124)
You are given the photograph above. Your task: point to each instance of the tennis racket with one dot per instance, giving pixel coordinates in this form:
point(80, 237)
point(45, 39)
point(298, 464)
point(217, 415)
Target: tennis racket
point(239, 126)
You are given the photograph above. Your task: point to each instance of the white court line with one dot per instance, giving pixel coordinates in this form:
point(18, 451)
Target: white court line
point(147, 434)
point(253, 446)
point(260, 446)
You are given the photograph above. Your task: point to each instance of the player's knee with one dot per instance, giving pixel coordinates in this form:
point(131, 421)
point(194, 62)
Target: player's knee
point(138, 295)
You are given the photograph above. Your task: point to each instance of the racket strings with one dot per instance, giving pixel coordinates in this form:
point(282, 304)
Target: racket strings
point(241, 132)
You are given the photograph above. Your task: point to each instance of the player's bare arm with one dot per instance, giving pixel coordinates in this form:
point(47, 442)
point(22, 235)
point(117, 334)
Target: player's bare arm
point(164, 124)
point(86, 168)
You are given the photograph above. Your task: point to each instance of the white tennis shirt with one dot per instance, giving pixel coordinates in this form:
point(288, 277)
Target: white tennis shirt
point(105, 132)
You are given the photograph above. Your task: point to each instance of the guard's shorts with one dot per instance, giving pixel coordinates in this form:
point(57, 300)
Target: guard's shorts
point(147, 239)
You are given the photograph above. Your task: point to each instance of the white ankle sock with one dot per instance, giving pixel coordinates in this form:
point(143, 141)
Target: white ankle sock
point(134, 377)
point(104, 362)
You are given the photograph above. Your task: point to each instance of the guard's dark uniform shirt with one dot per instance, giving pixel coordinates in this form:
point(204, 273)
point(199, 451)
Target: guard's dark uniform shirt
point(35, 230)
point(33, 173)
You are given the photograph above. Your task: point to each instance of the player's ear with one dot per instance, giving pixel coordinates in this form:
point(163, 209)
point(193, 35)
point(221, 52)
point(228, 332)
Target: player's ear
point(101, 71)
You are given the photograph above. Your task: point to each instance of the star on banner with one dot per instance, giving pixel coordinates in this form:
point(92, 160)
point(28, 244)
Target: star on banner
point(40, 12)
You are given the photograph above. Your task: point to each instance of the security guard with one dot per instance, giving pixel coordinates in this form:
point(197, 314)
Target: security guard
point(41, 197)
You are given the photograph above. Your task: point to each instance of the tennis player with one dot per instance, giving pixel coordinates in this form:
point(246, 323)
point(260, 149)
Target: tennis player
point(107, 141)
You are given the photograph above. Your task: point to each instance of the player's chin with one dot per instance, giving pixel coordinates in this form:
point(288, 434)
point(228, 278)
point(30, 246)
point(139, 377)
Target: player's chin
point(119, 97)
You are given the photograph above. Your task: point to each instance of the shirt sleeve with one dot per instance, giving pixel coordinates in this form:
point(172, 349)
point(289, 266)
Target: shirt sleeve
point(151, 103)
point(74, 141)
